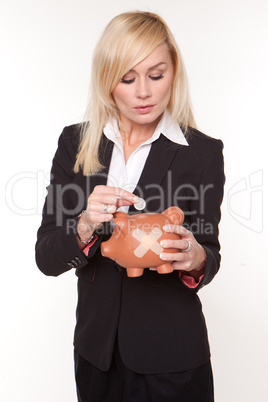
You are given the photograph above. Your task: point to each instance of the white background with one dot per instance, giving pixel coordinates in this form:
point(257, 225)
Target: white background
point(46, 49)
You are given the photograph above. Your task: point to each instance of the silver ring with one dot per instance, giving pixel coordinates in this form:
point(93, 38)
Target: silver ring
point(105, 209)
point(189, 247)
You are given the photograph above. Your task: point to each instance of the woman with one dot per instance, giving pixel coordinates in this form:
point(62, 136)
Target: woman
point(136, 339)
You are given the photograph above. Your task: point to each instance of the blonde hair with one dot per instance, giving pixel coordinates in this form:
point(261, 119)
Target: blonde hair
point(127, 40)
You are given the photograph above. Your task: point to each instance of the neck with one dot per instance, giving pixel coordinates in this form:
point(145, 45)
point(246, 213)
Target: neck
point(133, 133)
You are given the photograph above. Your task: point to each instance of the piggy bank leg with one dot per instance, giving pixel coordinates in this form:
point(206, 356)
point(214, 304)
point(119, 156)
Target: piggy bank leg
point(165, 268)
point(134, 272)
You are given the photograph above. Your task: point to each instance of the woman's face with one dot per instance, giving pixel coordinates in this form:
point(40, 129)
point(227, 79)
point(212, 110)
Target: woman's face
point(143, 93)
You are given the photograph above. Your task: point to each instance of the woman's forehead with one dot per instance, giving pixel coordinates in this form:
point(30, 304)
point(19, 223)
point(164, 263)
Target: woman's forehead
point(159, 57)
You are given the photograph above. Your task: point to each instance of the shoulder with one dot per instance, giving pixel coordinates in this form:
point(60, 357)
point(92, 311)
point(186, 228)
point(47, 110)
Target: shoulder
point(197, 138)
point(68, 143)
point(202, 145)
point(71, 136)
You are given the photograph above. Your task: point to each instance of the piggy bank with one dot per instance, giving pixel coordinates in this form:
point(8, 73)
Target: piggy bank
point(135, 241)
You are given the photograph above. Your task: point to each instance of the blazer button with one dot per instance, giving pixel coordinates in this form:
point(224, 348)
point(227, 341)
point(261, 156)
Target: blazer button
point(77, 259)
point(70, 264)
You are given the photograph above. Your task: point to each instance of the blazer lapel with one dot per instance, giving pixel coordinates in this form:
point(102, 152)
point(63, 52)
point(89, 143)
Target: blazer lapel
point(156, 167)
point(105, 155)
point(90, 182)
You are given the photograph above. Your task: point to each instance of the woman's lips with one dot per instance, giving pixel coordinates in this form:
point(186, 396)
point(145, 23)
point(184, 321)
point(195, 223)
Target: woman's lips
point(144, 109)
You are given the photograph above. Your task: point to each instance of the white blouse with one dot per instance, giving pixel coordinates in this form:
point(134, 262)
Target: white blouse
point(126, 175)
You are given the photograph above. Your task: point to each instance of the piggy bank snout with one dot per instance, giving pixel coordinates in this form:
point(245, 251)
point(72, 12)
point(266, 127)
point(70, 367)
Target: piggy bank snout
point(106, 249)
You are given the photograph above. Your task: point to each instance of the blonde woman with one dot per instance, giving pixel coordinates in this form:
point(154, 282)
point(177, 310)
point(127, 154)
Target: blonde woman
point(136, 339)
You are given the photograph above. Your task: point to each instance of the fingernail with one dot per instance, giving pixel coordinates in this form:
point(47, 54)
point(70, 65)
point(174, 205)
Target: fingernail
point(163, 256)
point(135, 198)
point(163, 243)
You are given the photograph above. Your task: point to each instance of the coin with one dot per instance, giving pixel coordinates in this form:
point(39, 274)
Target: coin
point(140, 204)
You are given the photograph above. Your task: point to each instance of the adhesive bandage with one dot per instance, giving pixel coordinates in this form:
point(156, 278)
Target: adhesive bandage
point(148, 241)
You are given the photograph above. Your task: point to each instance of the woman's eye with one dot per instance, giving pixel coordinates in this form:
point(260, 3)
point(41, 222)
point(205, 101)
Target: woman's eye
point(124, 81)
point(156, 77)
point(131, 80)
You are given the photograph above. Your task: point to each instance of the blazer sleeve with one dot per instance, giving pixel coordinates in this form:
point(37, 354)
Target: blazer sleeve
point(56, 249)
point(206, 206)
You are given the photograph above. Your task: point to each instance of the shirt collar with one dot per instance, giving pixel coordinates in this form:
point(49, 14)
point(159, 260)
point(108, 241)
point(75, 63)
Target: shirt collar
point(166, 126)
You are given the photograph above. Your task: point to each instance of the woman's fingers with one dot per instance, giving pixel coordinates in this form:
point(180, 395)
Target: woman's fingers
point(180, 230)
point(98, 217)
point(185, 242)
point(107, 196)
point(190, 253)
point(179, 244)
point(114, 194)
point(104, 201)
point(173, 256)
point(101, 208)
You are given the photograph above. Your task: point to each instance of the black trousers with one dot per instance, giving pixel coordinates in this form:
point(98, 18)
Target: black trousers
point(120, 384)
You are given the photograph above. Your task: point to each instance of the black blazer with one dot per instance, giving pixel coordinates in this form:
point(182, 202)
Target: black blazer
point(157, 318)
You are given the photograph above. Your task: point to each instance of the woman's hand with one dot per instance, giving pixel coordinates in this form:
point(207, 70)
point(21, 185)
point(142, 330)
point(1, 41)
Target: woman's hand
point(101, 205)
point(191, 256)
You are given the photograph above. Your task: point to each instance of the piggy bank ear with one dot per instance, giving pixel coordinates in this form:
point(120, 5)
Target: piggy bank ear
point(121, 220)
point(175, 215)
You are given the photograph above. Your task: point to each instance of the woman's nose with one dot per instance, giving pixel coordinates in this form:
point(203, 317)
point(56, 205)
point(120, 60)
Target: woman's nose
point(143, 89)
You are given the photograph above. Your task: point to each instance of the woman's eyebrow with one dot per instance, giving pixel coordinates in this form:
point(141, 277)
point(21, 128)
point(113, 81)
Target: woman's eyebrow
point(150, 68)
